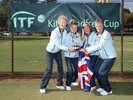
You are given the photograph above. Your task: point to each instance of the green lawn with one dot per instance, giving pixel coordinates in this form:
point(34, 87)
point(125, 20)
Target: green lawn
point(30, 91)
point(29, 53)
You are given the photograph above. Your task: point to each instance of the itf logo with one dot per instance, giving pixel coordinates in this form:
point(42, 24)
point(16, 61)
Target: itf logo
point(26, 19)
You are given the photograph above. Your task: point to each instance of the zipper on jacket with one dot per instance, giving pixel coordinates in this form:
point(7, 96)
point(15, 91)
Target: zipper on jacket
point(53, 48)
point(69, 53)
point(105, 52)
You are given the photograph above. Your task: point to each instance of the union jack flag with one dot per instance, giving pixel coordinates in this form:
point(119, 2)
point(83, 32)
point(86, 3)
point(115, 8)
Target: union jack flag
point(85, 71)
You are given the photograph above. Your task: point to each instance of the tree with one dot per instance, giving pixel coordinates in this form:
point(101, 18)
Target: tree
point(3, 16)
point(130, 20)
point(126, 10)
point(127, 19)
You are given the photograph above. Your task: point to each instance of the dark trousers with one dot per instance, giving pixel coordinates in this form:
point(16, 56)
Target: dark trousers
point(101, 71)
point(72, 70)
point(94, 59)
point(48, 72)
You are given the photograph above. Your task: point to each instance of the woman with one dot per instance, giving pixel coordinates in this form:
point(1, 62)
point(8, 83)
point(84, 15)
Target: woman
point(73, 39)
point(107, 57)
point(90, 39)
point(53, 51)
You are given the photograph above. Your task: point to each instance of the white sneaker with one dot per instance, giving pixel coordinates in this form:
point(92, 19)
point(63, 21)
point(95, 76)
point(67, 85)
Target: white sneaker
point(42, 91)
point(104, 93)
point(93, 88)
point(68, 88)
point(99, 90)
point(60, 87)
point(75, 84)
point(111, 92)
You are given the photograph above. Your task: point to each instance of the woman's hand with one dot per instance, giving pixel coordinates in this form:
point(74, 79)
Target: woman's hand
point(71, 49)
point(83, 34)
point(83, 50)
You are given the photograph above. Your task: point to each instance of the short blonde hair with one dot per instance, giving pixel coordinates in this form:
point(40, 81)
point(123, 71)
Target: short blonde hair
point(99, 21)
point(62, 17)
point(86, 24)
point(73, 22)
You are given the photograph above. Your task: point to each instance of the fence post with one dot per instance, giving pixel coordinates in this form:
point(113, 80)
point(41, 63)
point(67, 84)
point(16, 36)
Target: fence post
point(121, 73)
point(12, 55)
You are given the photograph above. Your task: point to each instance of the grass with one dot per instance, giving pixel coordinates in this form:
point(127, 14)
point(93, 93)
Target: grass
point(29, 53)
point(30, 91)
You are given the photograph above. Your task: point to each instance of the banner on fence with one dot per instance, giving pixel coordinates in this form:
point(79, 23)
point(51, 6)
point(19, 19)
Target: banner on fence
point(43, 17)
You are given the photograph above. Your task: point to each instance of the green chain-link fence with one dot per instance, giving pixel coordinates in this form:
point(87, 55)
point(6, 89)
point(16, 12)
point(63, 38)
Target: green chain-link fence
point(24, 53)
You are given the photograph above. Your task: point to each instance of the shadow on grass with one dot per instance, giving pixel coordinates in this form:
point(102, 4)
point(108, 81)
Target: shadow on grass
point(120, 88)
point(74, 88)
